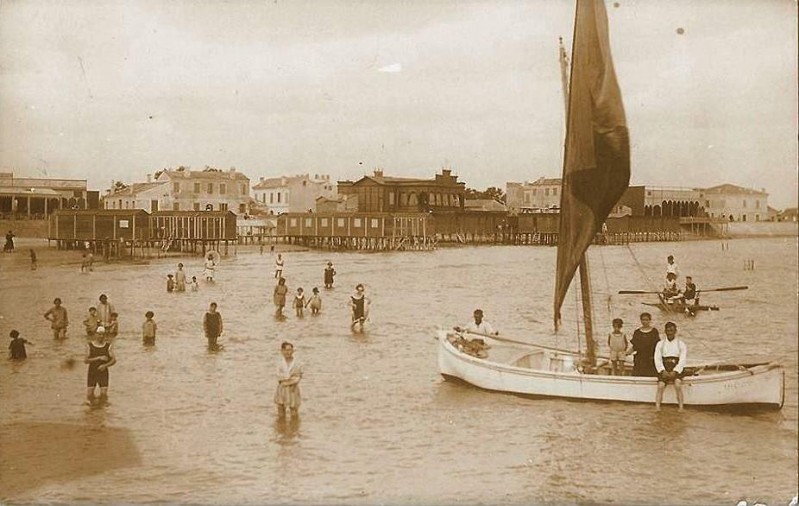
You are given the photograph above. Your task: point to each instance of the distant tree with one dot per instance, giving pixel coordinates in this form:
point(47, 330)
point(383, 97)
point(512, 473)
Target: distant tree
point(118, 186)
point(492, 192)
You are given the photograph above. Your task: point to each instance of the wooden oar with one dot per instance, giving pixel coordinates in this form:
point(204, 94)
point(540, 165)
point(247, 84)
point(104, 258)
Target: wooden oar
point(723, 289)
point(514, 341)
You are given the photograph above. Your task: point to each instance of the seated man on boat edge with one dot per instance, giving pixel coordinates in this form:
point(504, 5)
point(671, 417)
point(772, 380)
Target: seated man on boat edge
point(475, 344)
point(690, 296)
point(670, 356)
point(671, 292)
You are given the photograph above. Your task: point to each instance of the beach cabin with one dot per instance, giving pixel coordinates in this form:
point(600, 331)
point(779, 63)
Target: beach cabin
point(193, 230)
point(360, 231)
point(110, 231)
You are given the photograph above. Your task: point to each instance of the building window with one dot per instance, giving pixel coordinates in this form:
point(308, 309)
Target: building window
point(356, 222)
point(546, 192)
point(278, 197)
point(375, 222)
point(196, 206)
point(535, 191)
point(757, 217)
point(308, 222)
point(323, 222)
point(391, 198)
point(744, 205)
point(120, 203)
point(222, 188)
point(555, 192)
point(196, 187)
point(340, 222)
point(243, 188)
point(176, 187)
point(223, 206)
point(271, 197)
point(757, 204)
point(403, 199)
point(210, 188)
point(175, 206)
point(293, 222)
point(286, 198)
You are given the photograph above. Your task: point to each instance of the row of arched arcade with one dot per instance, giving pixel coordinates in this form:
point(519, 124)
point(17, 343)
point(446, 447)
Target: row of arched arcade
point(675, 208)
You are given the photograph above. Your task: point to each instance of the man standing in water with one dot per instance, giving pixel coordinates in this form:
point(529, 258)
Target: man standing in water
point(289, 374)
point(670, 356)
point(212, 325)
point(279, 267)
point(99, 356)
point(59, 321)
point(330, 272)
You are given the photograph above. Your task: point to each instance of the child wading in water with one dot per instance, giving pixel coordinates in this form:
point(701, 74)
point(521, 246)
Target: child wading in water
point(99, 356)
point(299, 302)
point(618, 344)
point(315, 302)
point(148, 329)
point(91, 322)
point(34, 263)
point(289, 374)
point(112, 329)
point(194, 285)
point(279, 266)
point(212, 324)
point(170, 283)
point(16, 348)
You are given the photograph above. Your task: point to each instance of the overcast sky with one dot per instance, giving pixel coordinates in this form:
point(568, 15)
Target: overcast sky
point(114, 90)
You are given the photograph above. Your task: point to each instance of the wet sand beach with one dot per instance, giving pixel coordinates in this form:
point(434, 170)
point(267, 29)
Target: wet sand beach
point(378, 424)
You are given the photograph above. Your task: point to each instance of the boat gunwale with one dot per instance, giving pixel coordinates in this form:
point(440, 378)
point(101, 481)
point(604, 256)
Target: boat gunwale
point(708, 379)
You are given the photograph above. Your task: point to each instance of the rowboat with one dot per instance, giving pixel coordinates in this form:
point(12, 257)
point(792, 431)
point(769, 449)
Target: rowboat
point(529, 369)
point(596, 172)
point(680, 307)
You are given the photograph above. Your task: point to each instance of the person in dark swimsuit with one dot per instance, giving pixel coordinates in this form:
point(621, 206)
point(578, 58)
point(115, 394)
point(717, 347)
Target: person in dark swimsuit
point(643, 342)
point(358, 303)
point(212, 324)
point(329, 273)
point(16, 347)
point(99, 356)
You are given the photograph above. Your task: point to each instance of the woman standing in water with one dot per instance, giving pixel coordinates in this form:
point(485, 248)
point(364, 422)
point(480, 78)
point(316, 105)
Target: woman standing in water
point(359, 305)
point(180, 279)
point(289, 374)
point(210, 267)
point(279, 296)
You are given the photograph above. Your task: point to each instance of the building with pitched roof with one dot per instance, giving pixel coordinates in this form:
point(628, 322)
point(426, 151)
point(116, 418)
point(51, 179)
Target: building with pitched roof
point(541, 195)
point(183, 189)
point(380, 193)
point(292, 194)
point(735, 203)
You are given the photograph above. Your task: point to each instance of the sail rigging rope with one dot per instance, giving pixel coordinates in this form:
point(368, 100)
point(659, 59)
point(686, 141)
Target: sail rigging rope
point(607, 281)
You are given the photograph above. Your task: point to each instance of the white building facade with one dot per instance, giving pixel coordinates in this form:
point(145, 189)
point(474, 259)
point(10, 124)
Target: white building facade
point(292, 194)
point(735, 203)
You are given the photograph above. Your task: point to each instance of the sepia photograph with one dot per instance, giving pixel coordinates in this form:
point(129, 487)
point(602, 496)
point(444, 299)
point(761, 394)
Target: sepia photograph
point(422, 252)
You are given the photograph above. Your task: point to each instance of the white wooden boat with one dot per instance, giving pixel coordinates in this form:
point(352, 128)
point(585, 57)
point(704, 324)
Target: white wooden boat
point(535, 371)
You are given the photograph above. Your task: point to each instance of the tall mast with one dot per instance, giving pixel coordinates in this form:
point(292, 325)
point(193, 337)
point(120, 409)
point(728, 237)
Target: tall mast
point(585, 278)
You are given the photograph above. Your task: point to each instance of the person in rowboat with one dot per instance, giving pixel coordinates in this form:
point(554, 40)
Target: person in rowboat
point(475, 344)
point(671, 267)
point(689, 295)
point(670, 357)
point(671, 291)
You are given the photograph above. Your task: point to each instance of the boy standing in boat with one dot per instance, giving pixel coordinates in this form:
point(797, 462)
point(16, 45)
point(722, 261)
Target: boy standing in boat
point(618, 343)
point(670, 356)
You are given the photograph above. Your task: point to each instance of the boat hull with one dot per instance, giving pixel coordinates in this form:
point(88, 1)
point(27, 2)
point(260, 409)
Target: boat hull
point(755, 385)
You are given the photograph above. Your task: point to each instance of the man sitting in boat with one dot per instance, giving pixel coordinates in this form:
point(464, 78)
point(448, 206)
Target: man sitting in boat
point(671, 292)
point(670, 357)
point(471, 336)
point(689, 295)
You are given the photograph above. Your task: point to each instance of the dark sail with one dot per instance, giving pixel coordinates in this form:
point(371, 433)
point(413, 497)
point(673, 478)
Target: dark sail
point(596, 167)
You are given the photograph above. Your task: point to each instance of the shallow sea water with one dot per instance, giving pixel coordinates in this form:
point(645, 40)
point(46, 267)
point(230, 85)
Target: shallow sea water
point(378, 423)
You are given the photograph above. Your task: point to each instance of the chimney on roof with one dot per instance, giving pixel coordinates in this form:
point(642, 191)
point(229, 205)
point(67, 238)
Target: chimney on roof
point(262, 179)
point(446, 172)
point(378, 172)
point(148, 178)
point(233, 169)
